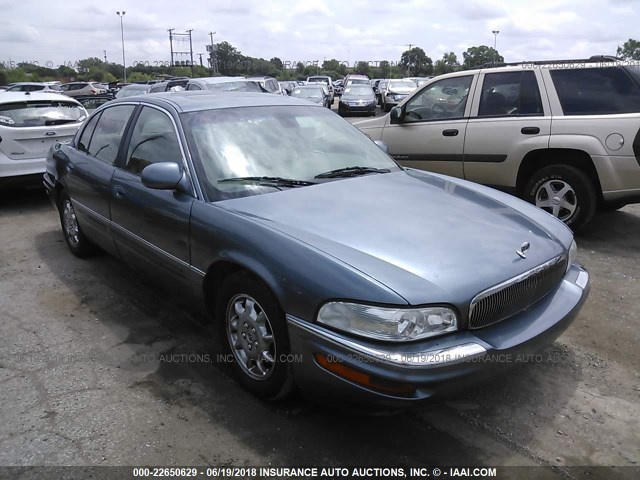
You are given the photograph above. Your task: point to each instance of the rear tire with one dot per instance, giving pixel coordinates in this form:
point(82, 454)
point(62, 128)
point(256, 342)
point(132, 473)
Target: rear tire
point(564, 191)
point(253, 329)
point(75, 238)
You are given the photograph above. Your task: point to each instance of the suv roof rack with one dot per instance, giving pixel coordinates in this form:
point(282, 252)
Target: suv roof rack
point(593, 58)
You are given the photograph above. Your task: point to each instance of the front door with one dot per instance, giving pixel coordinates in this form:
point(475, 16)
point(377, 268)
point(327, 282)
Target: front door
point(151, 227)
point(431, 134)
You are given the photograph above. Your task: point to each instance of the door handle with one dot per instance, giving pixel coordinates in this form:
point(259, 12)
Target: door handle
point(530, 130)
point(450, 132)
point(118, 192)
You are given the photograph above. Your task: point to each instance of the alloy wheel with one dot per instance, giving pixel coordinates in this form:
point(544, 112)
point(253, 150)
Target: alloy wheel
point(558, 198)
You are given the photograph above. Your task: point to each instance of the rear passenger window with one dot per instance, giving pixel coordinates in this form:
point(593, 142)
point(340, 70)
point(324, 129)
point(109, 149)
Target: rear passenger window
point(510, 93)
point(592, 91)
point(154, 140)
point(108, 133)
point(191, 86)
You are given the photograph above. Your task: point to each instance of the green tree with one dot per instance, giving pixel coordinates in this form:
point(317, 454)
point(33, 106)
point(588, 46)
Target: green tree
point(447, 64)
point(277, 63)
point(416, 63)
point(229, 59)
point(362, 68)
point(16, 75)
point(139, 77)
point(332, 64)
point(630, 50)
point(478, 56)
point(300, 68)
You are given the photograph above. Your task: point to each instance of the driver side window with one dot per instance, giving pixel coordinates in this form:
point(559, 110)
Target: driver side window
point(441, 100)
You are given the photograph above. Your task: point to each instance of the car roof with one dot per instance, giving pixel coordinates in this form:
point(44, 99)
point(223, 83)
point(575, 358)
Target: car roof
point(193, 101)
point(10, 97)
point(218, 79)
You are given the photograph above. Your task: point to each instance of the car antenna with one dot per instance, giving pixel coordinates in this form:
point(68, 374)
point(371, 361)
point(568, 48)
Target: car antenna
point(27, 92)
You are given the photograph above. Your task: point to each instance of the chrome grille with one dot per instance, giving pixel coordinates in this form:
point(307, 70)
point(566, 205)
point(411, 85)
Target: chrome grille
point(508, 298)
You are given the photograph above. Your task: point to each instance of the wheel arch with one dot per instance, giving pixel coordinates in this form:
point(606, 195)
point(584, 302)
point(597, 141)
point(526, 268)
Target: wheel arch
point(541, 158)
point(222, 269)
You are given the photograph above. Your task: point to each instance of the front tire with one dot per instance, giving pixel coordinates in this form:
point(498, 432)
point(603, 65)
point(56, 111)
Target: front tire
point(564, 191)
point(75, 238)
point(254, 330)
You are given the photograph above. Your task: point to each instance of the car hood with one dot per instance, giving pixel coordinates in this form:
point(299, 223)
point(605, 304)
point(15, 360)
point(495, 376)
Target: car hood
point(430, 238)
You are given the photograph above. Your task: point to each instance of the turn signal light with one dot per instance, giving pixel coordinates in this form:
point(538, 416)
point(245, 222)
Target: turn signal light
point(361, 378)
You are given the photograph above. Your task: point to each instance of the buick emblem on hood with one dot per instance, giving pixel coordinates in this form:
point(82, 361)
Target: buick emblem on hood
point(523, 248)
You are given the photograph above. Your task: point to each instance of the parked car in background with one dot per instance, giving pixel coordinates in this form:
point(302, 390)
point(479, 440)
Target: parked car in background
point(357, 99)
point(338, 86)
point(324, 79)
point(270, 84)
point(288, 86)
point(564, 139)
point(227, 84)
point(133, 89)
point(30, 123)
point(259, 208)
point(92, 102)
point(318, 93)
point(419, 81)
point(169, 84)
point(382, 85)
point(33, 87)
point(159, 87)
point(355, 80)
point(395, 91)
point(77, 89)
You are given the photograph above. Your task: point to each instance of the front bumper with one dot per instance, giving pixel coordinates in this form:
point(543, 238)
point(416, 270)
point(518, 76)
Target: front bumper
point(346, 109)
point(434, 367)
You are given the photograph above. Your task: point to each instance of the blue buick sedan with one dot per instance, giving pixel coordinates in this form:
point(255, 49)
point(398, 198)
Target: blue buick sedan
point(323, 263)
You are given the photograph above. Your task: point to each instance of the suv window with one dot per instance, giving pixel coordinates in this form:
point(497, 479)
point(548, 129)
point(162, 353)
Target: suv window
point(510, 93)
point(592, 91)
point(193, 86)
point(154, 140)
point(109, 131)
point(443, 99)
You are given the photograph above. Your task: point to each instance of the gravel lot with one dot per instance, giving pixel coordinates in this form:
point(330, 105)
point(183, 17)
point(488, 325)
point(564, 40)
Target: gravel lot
point(82, 382)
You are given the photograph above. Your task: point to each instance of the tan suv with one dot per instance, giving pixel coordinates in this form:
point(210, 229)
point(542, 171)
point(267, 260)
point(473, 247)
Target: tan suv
point(77, 89)
point(563, 135)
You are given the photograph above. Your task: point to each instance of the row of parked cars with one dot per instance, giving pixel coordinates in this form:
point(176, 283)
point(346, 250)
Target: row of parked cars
point(300, 235)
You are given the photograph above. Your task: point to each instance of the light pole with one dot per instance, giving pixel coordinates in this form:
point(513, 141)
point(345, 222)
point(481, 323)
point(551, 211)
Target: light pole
point(124, 65)
point(495, 43)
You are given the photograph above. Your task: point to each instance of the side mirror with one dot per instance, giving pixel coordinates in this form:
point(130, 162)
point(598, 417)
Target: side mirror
point(162, 176)
point(383, 146)
point(396, 115)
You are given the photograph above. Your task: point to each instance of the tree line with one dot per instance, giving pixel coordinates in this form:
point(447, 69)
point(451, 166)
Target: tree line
point(230, 61)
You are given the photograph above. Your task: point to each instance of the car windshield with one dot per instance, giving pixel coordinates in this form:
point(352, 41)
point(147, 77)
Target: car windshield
point(40, 113)
point(292, 142)
point(245, 86)
point(358, 81)
point(401, 84)
point(358, 91)
point(318, 80)
point(308, 93)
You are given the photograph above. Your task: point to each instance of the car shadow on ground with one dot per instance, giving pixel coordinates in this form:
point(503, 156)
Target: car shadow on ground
point(620, 228)
point(153, 324)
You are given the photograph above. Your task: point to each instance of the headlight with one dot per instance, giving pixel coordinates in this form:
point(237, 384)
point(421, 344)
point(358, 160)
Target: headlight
point(573, 253)
point(390, 324)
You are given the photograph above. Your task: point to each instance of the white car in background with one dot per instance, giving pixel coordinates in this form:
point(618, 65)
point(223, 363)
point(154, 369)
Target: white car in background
point(30, 123)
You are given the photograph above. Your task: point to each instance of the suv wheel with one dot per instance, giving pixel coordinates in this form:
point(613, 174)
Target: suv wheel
point(76, 240)
point(565, 192)
point(254, 326)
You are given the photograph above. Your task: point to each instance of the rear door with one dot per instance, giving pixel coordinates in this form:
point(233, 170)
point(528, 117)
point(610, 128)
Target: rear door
point(151, 227)
point(510, 116)
point(91, 166)
point(431, 136)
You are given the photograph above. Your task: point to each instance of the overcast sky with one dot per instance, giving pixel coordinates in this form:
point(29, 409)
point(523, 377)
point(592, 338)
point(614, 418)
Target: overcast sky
point(67, 31)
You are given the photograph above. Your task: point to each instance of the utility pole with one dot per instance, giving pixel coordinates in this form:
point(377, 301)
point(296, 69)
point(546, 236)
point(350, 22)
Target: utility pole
point(191, 51)
point(495, 44)
point(124, 64)
point(213, 56)
point(171, 44)
point(200, 55)
point(105, 56)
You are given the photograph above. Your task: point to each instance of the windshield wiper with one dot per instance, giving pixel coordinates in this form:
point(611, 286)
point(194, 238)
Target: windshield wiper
point(351, 172)
point(269, 181)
